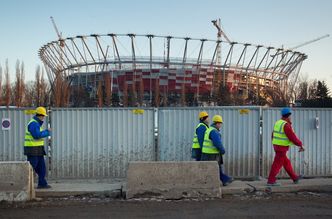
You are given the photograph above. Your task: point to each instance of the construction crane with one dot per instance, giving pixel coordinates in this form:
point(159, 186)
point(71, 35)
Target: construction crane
point(220, 33)
point(58, 86)
point(305, 43)
point(217, 24)
point(57, 32)
point(311, 41)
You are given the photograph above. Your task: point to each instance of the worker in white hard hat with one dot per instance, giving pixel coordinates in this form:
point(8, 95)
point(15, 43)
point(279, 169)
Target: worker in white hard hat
point(213, 148)
point(198, 139)
point(34, 145)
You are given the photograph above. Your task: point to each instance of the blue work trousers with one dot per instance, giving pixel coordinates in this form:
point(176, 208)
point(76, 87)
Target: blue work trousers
point(38, 164)
point(217, 157)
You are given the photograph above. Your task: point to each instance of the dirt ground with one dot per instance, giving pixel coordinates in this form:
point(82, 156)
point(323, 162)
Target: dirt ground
point(257, 205)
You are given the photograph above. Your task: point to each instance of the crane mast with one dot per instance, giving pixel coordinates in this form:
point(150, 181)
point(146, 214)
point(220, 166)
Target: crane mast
point(220, 33)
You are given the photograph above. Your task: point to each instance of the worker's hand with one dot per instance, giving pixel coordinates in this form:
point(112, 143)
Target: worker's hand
point(49, 129)
point(301, 149)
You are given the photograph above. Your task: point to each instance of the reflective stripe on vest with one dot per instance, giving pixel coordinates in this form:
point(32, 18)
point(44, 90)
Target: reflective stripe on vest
point(29, 140)
point(208, 147)
point(279, 136)
point(195, 139)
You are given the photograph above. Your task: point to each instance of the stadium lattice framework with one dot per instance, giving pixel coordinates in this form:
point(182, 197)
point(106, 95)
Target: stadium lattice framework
point(156, 67)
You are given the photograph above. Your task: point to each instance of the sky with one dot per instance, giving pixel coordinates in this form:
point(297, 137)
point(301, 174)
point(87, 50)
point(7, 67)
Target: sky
point(26, 26)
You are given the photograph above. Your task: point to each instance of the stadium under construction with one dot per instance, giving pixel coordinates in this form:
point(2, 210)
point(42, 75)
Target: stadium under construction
point(158, 70)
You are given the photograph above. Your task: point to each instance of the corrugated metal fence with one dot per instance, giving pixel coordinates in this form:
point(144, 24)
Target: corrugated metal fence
point(12, 137)
point(240, 133)
point(99, 143)
point(317, 159)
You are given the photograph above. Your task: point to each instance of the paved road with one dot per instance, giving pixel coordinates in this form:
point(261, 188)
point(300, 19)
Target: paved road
point(301, 205)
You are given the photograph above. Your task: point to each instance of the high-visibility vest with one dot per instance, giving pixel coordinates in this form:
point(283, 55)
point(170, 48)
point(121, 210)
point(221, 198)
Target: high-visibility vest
point(29, 140)
point(279, 136)
point(208, 147)
point(195, 144)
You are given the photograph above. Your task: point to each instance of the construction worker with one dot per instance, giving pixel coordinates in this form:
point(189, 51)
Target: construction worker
point(202, 126)
point(213, 148)
point(34, 145)
point(283, 136)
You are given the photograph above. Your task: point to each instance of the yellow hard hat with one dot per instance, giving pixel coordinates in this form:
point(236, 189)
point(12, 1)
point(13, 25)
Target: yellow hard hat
point(203, 114)
point(217, 118)
point(41, 111)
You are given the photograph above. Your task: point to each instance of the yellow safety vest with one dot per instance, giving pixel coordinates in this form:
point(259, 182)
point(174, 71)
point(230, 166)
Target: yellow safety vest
point(29, 140)
point(208, 147)
point(279, 136)
point(195, 144)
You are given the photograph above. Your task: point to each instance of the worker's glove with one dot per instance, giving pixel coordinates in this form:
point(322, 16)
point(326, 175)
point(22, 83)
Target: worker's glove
point(301, 149)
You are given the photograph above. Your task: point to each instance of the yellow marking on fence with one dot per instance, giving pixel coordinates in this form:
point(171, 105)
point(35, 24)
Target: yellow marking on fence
point(138, 111)
point(244, 111)
point(30, 112)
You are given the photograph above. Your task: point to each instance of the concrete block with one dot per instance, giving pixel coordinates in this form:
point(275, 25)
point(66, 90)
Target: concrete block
point(173, 180)
point(16, 181)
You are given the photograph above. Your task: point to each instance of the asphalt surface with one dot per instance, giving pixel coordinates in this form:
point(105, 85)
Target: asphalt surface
point(254, 205)
point(311, 198)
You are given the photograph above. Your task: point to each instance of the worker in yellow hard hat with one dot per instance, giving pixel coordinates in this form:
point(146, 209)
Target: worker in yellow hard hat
point(198, 139)
point(34, 145)
point(213, 148)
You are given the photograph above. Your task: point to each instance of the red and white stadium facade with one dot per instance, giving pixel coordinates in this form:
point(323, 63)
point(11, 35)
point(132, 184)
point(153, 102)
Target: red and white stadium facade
point(146, 63)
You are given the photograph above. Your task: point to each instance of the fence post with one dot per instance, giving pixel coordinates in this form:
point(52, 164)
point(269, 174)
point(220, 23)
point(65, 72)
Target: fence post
point(156, 133)
point(260, 144)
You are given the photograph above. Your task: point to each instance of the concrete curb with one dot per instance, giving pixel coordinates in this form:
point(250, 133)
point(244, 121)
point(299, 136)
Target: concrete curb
point(110, 190)
point(118, 189)
point(287, 186)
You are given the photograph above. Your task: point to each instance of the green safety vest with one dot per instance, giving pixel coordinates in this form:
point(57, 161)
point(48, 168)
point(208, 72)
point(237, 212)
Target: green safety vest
point(29, 140)
point(208, 147)
point(195, 144)
point(279, 136)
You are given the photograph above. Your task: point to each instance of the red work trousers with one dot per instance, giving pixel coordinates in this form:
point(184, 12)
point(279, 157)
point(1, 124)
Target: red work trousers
point(281, 160)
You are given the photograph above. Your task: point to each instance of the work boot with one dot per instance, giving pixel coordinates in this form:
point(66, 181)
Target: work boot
point(296, 181)
point(273, 184)
point(44, 187)
point(229, 181)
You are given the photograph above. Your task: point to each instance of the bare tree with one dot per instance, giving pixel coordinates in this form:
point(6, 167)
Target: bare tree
point(302, 91)
point(100, 94)
point(61, 91)
point(57, 92)
point(7, 86)
point(108, 90)
point(37, 87)
point(22, 88)
point(275, 97)
point(125, 94)
point(19, 85)
point(0, 85)
point(41, 87)
point(43, 90)
point(29, 93)
point(312, 90)
point(141, 92)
